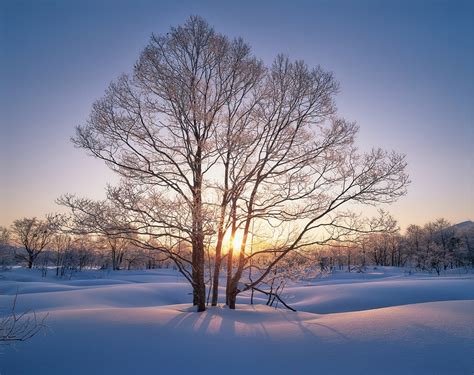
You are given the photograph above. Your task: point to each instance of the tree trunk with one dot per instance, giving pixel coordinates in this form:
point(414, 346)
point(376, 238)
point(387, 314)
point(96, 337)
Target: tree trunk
point(218, 260)
point(220, 235)
point(58, 262)
point(230, 254)
point(230, 258)
point(232, 296)
point(217, 268)
point(114, 260)
point(232, 291)
point(199, 286)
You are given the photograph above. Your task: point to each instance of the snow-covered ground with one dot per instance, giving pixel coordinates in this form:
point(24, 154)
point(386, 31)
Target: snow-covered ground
point(139, 322)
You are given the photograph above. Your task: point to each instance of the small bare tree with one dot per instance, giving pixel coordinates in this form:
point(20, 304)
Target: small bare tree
point(61, 243)
point(16, 327)
point(6, 251)
point(4, 236)
point(33, 235)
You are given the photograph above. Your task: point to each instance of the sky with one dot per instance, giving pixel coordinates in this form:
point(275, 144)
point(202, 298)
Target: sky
point(406, 70)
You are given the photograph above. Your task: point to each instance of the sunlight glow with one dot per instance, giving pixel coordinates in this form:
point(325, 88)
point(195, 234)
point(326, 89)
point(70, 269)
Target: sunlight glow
point(237, 241)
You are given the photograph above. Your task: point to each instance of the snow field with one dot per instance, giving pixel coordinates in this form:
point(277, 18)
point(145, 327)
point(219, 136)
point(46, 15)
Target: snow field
point(140, 322)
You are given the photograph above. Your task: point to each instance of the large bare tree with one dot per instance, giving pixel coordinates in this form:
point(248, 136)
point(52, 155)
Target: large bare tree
point(156, 126)
point(209, 142)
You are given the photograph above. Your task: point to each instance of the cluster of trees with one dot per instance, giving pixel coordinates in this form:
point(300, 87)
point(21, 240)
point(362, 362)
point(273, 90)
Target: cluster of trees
point(48, 245)
point(434, 247)
point(221, 154)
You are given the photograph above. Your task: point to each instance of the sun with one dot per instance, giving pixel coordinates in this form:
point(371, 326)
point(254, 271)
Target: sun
point(237, 241)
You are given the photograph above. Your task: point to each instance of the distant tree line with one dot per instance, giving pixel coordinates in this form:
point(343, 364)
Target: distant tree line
point(47, 245)
point(434, 247)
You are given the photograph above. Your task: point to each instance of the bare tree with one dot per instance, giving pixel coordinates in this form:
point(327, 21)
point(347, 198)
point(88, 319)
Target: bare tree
point(116, 246)
point(156, 126)
point(60, 243)
point(4, 236)
point(304, 168)
point(6, 251)
point(16, 327)
point(208, 141)
point(33, 235)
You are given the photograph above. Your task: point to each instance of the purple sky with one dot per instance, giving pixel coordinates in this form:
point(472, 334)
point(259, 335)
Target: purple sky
point(406, 71)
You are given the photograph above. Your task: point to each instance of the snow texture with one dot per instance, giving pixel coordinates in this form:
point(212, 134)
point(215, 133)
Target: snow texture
point(139, 322)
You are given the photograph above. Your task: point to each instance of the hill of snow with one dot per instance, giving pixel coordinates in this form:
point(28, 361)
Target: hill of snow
point(465, 225)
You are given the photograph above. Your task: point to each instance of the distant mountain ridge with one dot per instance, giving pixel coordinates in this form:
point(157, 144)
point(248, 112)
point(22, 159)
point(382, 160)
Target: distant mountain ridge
point(464, 225)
